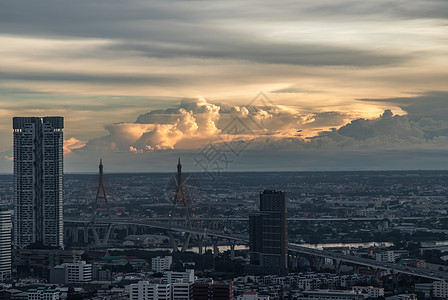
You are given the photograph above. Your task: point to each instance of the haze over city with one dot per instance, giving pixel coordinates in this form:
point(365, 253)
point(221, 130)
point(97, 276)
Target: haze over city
point(351, 85)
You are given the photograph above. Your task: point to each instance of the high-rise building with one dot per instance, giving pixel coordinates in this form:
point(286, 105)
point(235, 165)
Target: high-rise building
point(38, 181)
point(268, 243)
point(5, 243)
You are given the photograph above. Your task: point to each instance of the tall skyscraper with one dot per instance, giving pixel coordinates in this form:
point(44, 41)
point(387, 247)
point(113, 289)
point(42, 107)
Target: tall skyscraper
point(38, 181)
point(268, 244)
point(5, 243)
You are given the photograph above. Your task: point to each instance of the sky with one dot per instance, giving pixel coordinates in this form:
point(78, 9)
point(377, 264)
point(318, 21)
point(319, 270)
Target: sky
point(231, 85)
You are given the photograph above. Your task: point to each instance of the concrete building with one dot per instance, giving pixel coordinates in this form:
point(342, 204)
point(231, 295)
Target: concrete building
point(370, 291)
point(78, 272)
point(386, 256)
point(440, 289)
point(144, 290)
point(331, 295)
point(268, 245)
point(160, 264)
point(212, 291)
point(36, 258)
point(38, 181)
point(425, 288)
point(5, 243)
point(183, 277)
point(252, 295)
point(43, 293)
point(181, 291)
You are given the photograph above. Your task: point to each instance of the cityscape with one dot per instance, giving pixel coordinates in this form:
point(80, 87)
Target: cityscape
point(243, 235)
point(223, 150)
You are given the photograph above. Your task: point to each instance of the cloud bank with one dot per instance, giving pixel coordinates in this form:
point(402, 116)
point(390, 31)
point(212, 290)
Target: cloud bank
point(279, 135)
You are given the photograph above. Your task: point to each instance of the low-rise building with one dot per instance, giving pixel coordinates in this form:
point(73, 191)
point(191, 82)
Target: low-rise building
point(79, 272)
point(43, 293)
point(252, 295)
point(145, 290)
point(185, 277)
point(371, 291)
point(331, 295)
point(160, 264)
point(440, 289)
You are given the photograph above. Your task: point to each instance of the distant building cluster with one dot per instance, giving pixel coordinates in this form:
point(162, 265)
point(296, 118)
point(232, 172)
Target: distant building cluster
point(180, 286)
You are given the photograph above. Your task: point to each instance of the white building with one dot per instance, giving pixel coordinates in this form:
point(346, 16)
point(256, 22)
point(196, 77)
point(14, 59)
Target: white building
point(5, 243)
point(440, 289)
point(372, 292)
point(183, 277)
point(181, 291)
point(160, 264)
point(144, 290)
point(79, 272)
point(387, 256)
point(38, 181)
point(43, 293)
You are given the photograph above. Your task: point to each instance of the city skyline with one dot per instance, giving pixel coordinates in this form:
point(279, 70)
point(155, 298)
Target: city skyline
point(351, 86)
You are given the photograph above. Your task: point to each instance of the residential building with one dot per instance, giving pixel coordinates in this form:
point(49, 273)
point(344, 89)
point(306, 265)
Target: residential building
point(144, 290)
point(440, 289)
point(268, 245)
point(5, 243)
point(252, 295)
point(160, 264)
point(183, 277)
point(371, 291)
point(331, 295)
point(38, 181)
point(78, 272)
point(43, 293)
point(212, 291)
point(425, 288)
point(181, 290)
point(386, 256)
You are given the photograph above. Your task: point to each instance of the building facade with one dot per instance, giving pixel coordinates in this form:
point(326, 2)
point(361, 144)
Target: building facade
point(79, 272)
point(212, 291)
point(43, 293)
point(144, 290)
point(184, 277)
point(160, 264)
point(5, 243)
point(268, 245)
point(38, 181)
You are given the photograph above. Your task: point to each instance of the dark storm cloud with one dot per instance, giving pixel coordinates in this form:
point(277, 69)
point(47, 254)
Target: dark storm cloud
point(106, 17)
point(432, 105)
point(261, 52)
point(100, 78)
point(189, 29)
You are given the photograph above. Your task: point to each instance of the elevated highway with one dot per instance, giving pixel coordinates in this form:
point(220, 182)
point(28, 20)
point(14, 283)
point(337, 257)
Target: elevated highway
point(338, 258)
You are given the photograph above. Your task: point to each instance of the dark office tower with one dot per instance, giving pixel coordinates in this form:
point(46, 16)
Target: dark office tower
point(268, 234)
point(38, 181)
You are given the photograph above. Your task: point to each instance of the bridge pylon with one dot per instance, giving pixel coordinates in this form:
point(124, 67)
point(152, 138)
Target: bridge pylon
point(180, 195)
point(101, 196)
